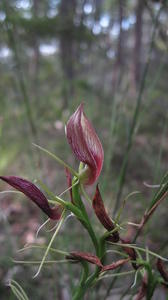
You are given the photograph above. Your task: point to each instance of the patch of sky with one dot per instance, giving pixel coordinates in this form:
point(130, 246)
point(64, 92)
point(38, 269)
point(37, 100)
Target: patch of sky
point(5, 52)
point(88, 8)
point(23, 4)
point(27, 15)
point(105, 20)
point(128, 22)
point(2, 16)
point(110, 53)
point(89, 22)
point(53, 12)
point(53, 9)
point(157, 6)
point(115, 30)
point(48, 48)
point(96, 28)
point(132, 19)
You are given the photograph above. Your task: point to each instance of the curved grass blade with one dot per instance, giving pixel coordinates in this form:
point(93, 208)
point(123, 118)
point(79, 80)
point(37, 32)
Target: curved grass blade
point(59, 160)
point(18, 290)
point(163, 188)
point(50, 243)
point(140, 249)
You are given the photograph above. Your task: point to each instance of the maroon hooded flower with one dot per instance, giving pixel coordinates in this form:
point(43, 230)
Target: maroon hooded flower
point(115, 265)
point(161, 268)
point(86, 145)
point(103, 216)
point(33, 193)
point(79, 256)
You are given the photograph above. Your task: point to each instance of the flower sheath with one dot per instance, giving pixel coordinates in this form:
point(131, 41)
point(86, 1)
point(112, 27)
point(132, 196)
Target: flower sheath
point(102, 215)
point(85, 145)
point(33, 193)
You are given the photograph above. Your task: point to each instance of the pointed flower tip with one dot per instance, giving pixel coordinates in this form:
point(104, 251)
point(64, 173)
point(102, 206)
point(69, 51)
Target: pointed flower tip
point(33, 193)
point(85, 145)
point(115, 265)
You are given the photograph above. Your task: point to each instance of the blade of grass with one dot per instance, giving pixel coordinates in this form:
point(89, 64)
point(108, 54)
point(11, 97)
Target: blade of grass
point(19, 288)
point(59, 160)
point(50, 243)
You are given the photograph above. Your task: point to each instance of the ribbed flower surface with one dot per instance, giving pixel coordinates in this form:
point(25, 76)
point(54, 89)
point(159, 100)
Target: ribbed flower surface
point(33, 193)
point(85, 144)
point(93, 259)
point(103, 216)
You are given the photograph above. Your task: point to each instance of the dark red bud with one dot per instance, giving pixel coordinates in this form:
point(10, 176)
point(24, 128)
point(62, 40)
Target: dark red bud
point(161, 268)
point(114, 238)
point(130, 251)
point(93, 259)
point(85, 145)
point(33, 193)
point(143, 289)
point(102, 215)
point(115, 265)
point(69, 181)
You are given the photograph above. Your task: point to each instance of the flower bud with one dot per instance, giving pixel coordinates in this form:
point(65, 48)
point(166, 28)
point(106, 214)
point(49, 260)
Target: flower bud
point(130, 251)
point(103, 216)
point(80, 256)
point(162, 270)
point(85, 145)
point(33, 193)
point(115, 265)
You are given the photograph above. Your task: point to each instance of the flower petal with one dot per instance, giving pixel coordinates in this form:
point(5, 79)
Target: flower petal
point(102, 215)
point(162, 270)
point(85, 144)
point(130, 251)
point(69, 181)
point(115, 264)
point(93, 259)
point(33, 193)
point(143, 289)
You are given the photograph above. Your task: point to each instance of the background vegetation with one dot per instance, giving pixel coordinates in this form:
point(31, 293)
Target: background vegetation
point(113, 56)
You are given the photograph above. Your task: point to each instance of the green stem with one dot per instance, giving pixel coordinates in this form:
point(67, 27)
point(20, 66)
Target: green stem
point(80, 290)
point(93, 277)
point(86, 222)
point(99, 244)
point(79, 294)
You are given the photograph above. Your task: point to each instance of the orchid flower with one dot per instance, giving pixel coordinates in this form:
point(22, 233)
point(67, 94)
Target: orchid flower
point(33, 193)
point(85, 145)
point(103, 216)
point(89, 257)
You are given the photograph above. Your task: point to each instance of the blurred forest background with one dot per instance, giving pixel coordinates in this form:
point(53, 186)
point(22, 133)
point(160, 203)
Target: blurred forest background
point(113, 56)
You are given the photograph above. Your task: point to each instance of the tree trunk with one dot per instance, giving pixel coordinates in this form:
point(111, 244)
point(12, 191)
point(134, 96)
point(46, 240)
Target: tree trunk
point(67, 48)
point(119, 56)
point(36, 55)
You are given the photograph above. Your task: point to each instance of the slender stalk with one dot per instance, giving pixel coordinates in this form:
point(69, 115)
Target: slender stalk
point(50, 244)
point(80, 291)
point(131, 135)
point(123, 172)
point(89, 281)
point(20, 75)
point(99, 244)
point(20, 79)
point(59, 160)
point(87, 224)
